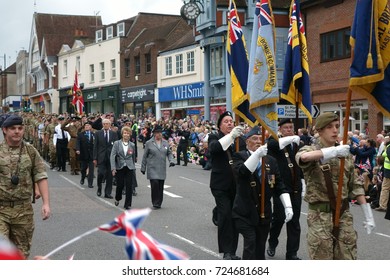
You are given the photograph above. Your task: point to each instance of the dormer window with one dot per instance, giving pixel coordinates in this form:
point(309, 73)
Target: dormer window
point(109, 32)
point(120, 29)
point(99, 36)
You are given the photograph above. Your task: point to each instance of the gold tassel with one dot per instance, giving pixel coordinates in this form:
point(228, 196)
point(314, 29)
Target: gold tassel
point(380, 62)
point(369, 61)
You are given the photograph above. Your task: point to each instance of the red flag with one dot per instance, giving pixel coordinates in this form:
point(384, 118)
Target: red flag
point(78, 100)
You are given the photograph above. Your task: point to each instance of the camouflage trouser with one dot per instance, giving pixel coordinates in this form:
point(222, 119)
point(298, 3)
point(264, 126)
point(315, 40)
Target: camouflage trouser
point(52, 152)
point(320, 242)
point(17, 223)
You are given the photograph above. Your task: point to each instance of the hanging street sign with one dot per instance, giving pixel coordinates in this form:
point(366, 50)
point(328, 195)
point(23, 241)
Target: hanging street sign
point(288, 111)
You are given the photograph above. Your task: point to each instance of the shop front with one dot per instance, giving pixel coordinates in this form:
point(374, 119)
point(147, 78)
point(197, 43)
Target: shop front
point(138, 100)
point(101, 100)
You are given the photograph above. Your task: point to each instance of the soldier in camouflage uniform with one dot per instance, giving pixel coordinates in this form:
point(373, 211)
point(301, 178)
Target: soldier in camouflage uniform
point(49, 134)
point(20, 167)
point(314, 161)
point(72, 126)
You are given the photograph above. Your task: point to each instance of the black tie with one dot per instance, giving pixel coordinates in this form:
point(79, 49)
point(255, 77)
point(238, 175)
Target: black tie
point(106, 136)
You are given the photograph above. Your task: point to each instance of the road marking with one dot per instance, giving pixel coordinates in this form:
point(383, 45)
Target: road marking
point(381, 234)
point(70, 181)
point(203, 249)
point(188, 179)
point(169, 193)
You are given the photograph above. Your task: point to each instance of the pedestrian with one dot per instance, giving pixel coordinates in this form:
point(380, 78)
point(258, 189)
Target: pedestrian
point(284, 150)
point(104, 139)
point(84, 150)
point(156, 152)
point(182, 147)
point(72, 126)
point(222, 183)
point(122, 160)
point(21, 167)
point(321, 167)
point(385, 191)
point(250, 221)
point(60, 141)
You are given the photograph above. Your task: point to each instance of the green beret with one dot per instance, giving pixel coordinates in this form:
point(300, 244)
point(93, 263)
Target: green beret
point(325, 118)
point(12, 120)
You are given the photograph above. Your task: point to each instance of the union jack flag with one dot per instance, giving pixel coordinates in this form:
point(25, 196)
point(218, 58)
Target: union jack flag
point(139, 244)
point(8, 251)
point(78, 100)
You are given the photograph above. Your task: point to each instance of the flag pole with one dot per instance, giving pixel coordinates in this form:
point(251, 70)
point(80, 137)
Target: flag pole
point(262, 198)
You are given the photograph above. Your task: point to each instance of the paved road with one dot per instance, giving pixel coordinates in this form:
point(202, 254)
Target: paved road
point(184, 221)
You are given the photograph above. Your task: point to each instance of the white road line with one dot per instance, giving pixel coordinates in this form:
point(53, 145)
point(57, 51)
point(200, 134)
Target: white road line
point(73, 183)
point(194, 181)
point(169, 193)
point(203, 249)
point(381, 234)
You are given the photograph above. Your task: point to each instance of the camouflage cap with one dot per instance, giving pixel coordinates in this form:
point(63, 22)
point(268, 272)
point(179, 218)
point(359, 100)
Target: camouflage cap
point(325, 118)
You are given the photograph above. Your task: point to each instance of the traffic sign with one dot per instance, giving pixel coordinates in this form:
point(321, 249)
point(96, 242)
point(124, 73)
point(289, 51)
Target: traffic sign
point(288, 111)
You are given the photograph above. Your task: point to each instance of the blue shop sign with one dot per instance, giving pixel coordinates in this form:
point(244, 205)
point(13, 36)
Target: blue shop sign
point(181, 92)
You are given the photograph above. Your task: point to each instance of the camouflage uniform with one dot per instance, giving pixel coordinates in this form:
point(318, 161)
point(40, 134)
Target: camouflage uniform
point(50, 131)
point(16, 212)
point(72, 130)
point(321, 242)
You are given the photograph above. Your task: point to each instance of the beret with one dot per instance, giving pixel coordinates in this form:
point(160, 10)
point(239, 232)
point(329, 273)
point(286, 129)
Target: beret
point(284, 121)
point(254, 131)
point(12, 120)
point(157, 128)
point(60, 117)
point(227, 113)
point(325, 118)
point(77, 118)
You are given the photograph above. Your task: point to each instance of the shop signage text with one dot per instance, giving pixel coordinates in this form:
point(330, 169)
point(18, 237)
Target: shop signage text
point(181, 92)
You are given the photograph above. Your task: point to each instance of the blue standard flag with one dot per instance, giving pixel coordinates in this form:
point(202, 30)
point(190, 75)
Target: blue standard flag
point(238, 66)
point(370, 37)
point(263, 82)
point(296, 83)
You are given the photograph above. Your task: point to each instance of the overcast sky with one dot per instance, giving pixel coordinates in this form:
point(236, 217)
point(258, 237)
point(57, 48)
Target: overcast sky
point(16, 17)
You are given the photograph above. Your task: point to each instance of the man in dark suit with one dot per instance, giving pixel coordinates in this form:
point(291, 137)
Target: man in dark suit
point(104, 139)
point(251, 220)
point(284, 150)
point(84, 150)
point(222, 183)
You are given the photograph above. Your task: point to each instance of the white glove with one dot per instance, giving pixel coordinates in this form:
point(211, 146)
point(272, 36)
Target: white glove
point(285, 198)
point(332, 152)
point(303, 187)
point(252, 162)
point(228, 139)
point(369, 223)
point(284, 141)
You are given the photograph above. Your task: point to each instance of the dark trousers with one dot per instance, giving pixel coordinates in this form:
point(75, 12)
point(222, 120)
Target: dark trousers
point(181, 149)
point(227, 232)
point(124, 179)
point(62, 153)
point(87, 164)
point(255, 238)
point(157, 187)
point(293, 226)
point(104, 172)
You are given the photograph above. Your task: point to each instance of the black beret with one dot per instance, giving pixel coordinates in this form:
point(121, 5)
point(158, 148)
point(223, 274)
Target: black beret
point(157, 128)
point(284, 121)
point(227, 113)
point(325, 118)
point(77, 118)
point(254, 131)
point(12, 120)
point(60, 117)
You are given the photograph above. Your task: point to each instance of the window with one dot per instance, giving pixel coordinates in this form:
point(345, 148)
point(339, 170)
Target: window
point(137, 62)
point(148, 63)
point(127, 67)
point(113, 68)
point(120, 29)
point(109, 32)
point(191, 61)
point(102, 75)
point(216, 62)
point(168, 66)
point(78, 64)
point(179, 63)
point(99, 36)
point(91, 73)
point(335, 45)
point(65, 68)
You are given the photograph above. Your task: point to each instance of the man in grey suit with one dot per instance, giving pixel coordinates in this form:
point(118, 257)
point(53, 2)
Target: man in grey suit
point(122, 161)
point(154, 162)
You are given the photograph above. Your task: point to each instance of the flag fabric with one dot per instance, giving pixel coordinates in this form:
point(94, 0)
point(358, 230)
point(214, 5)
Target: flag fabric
point(139, 244)
point(238, 66)
point(78, 100)
point(296, 83)
point(370, 71)
point(8, 251)
point(41, 102)
point(262, 78)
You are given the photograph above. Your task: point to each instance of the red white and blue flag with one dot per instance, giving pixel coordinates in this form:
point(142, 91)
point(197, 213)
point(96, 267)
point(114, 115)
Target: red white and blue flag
point(8, 251)
point(77, 100)
point(139, 244)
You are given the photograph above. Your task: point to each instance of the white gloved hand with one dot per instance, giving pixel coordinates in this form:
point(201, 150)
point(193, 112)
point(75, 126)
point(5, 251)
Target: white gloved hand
point(228, 139)
point(286, 201)
point(369, 223)
point(303, 187)
point(284, 141)
point(252, 162)
point(332, 152)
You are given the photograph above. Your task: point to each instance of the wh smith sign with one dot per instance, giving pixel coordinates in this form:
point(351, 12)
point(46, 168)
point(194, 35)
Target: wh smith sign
point(182, 92)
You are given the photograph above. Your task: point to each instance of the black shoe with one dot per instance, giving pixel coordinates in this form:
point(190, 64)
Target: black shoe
point(76, 173)
point(294, 258)
point(185, 164)
point(99, 193)
point(230, 256)
point(156, 206)
point(270, 251)
point(116, 202)
point(127, 207)
point(108, 196)
point(134, 193)
point(90, 186)
point(82, 181)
